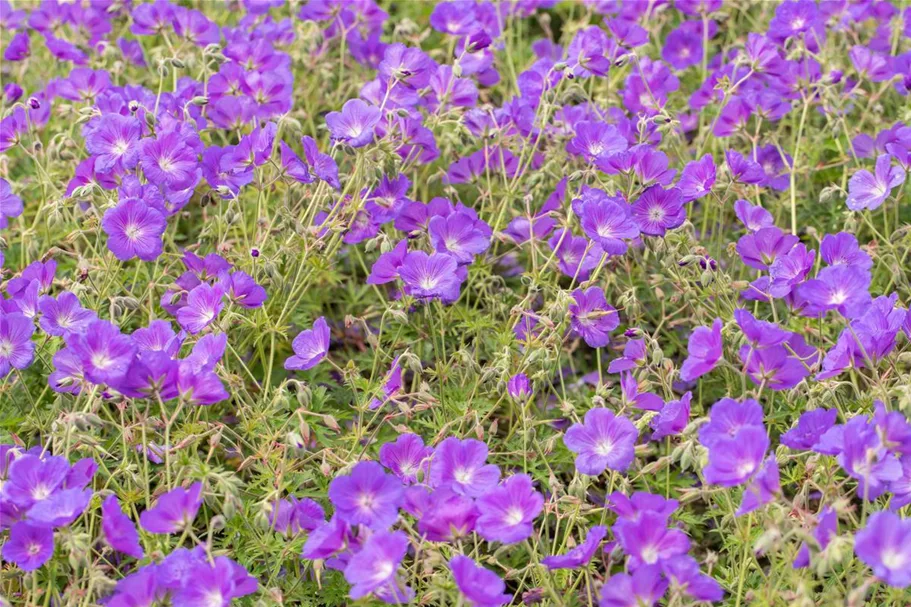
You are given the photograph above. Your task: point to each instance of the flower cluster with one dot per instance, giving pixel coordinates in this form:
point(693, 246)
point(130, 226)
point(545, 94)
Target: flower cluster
point(471, 302)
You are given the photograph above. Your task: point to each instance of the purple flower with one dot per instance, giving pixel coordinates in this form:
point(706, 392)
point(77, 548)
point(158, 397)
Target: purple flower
point(19, 47)
point(386, 267)
point(629, 388)
point(758, 250)
point(114, 142)
point(684, 572)
point(776, 367)
point(863, 458)
point(683, 46)
point(753, 218)
point(60, 508)
point(759, 333)
point(591, 318)
point(29, 546)
point(406, 457)
point(581, 554)
point(104, 352)
point(761, 488)
point(447, 516)
point(322, 166)
point(310, 347)
point(841, 288)
point(254, 149)
point(885, 545)
point(744, 169)
point(809, 429)
point(705, 350)
point(576, 256)
point(368, 496)
point(409, 66)
point(204, 304)
point(387, 200)
point(647, 539)
point(391, 385)
point(326, 539)
point(634, 356)
point(826, 529)
point(433, 276)
point(643, 588)
point(607, 222)
point(508, 511)
point(32, 479)
point(733, 460)
point(375, 564)
point(519, 387)
point(10, 204)
point(16, 347)
point(790, 270)
point(842, 249)
point(658, 210)
point(868, 190)
point(354, 124)
point(168, 161)
point(603, 441)
point(134, 229)
point(223, 579)
point(594, 140)
point(672, 418)
point(223, 172)
point(870, 64)
point(697, 179)
point(650, 165)
point(901, 487)
point(173, 511)
point(243, 290)
point(63, 315)
point(118, 529)
point(590, 52)
point(459, 235)
point(462, 465)
point(479, 586)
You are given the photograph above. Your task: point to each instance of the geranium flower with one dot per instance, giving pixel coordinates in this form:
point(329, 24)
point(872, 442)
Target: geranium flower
point(603, 441)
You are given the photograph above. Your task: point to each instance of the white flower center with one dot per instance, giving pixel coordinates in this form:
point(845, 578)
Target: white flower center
point(101, 361)
point(6, 348)
point(604, 448)
point(121, 147)
point(746, 468)
point(605, 231)
point(40, 492)
point(214, 598)
point(894, 559)
point(463, 475)
point(428, 283)
point(384, 569)
point(133, 231)
point(514, 516)
point(366, 501)
point(650, 555)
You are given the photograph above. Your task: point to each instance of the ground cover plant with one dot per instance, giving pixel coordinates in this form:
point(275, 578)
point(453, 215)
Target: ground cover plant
point(459, 303)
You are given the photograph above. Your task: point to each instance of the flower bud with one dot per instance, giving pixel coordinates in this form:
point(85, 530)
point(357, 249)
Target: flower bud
point(519, 387)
